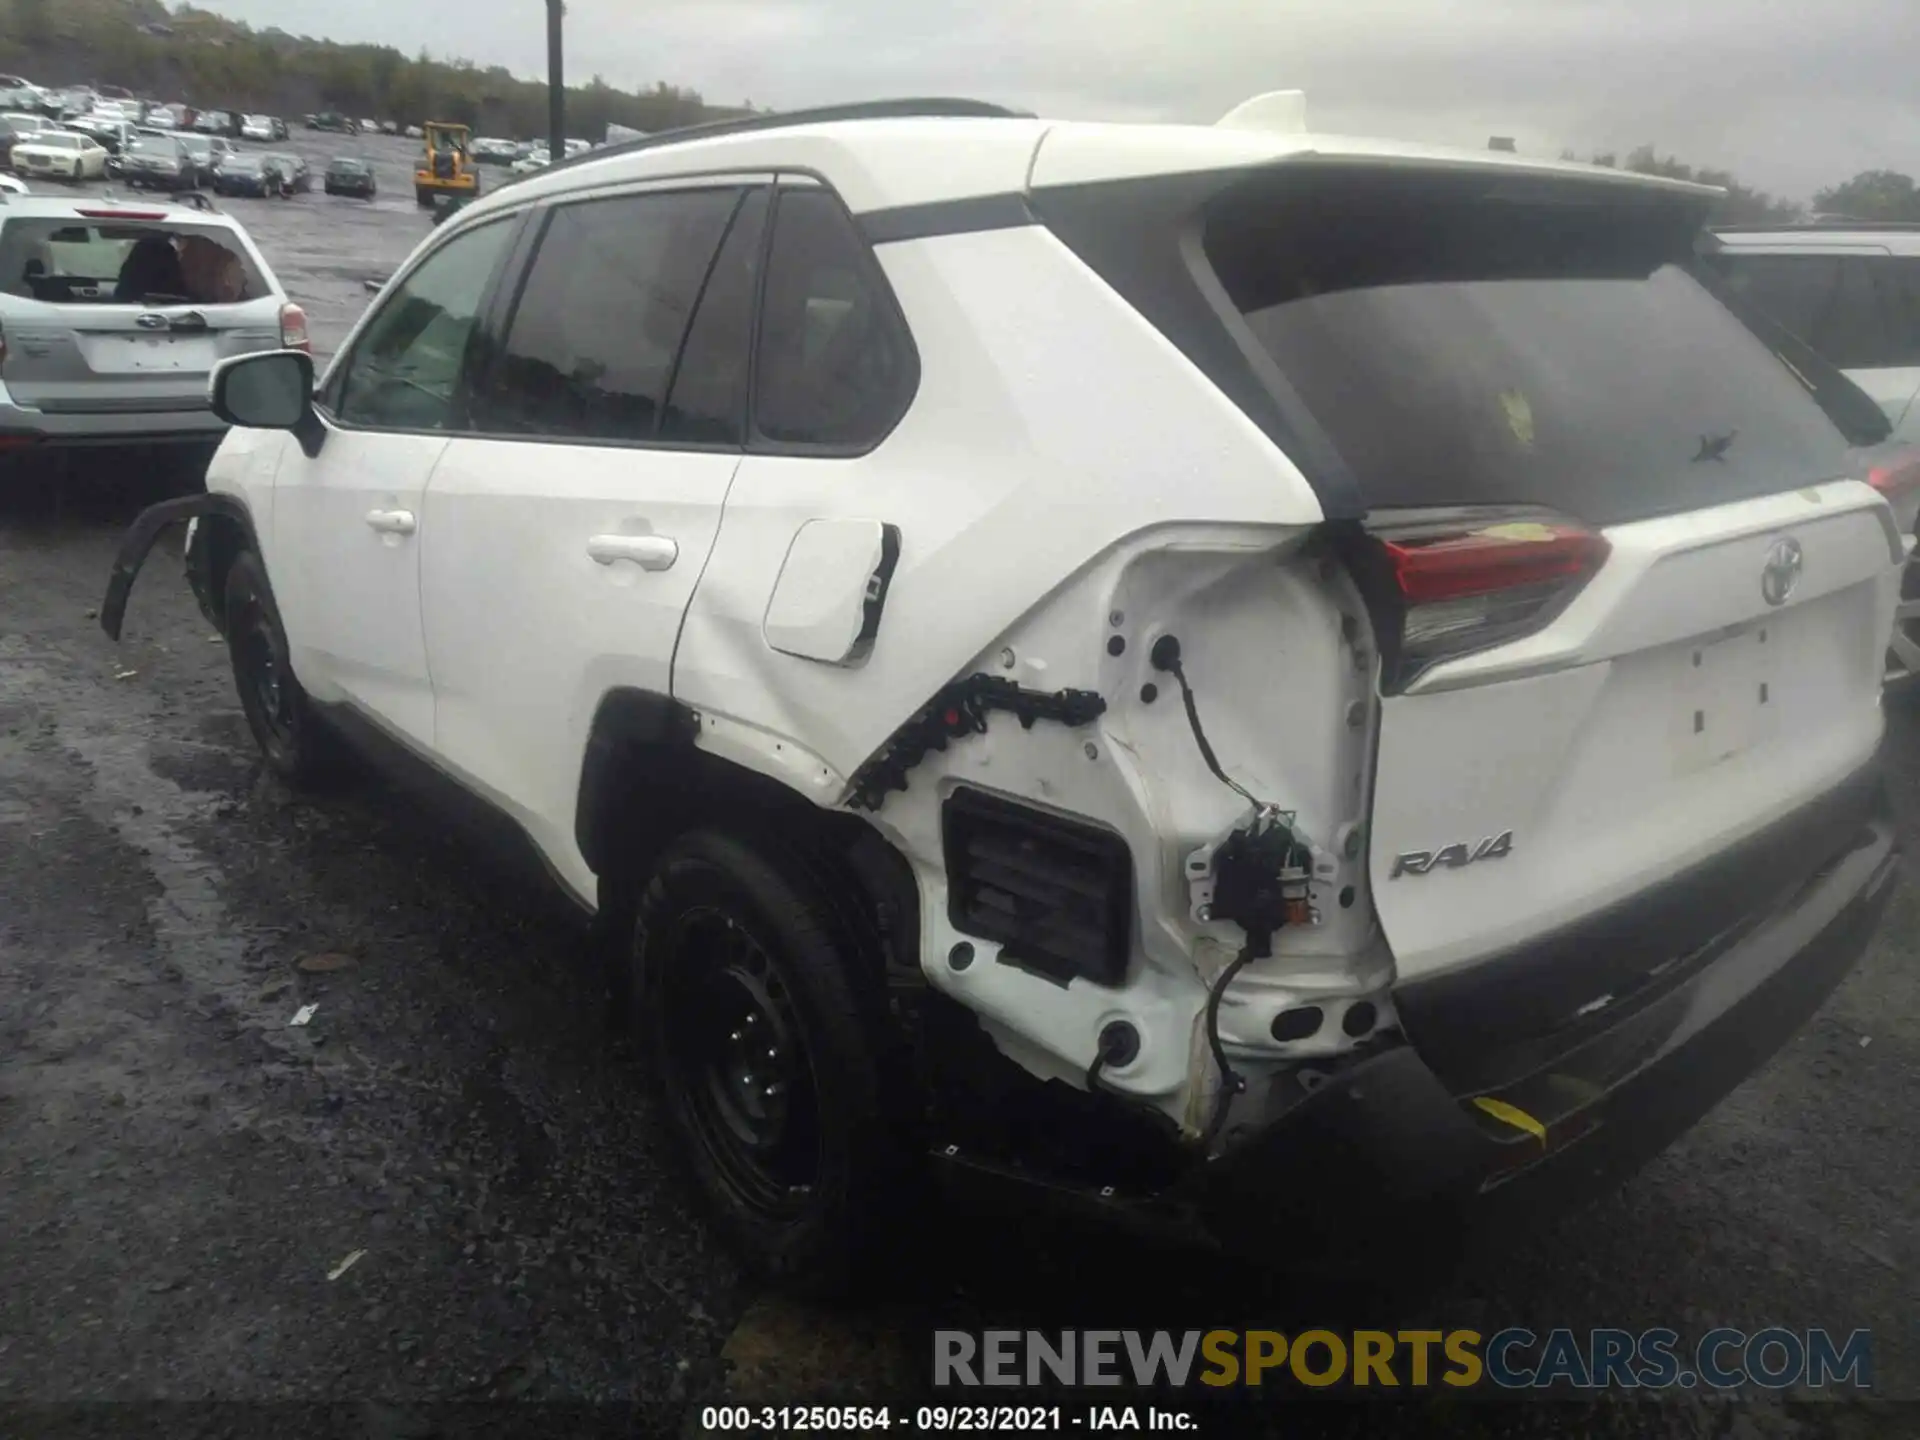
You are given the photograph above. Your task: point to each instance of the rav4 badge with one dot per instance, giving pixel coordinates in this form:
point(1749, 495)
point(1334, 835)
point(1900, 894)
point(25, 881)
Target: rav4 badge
point(1453, 857)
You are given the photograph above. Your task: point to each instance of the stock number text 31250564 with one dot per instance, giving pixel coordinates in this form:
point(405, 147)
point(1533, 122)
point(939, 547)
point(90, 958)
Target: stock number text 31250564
point(923, 1419)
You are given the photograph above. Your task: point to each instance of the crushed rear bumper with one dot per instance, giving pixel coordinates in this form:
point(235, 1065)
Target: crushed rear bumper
point(1387, 1160)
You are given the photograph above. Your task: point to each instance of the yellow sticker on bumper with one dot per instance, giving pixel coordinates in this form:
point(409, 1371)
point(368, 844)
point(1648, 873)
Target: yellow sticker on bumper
point(1512, 1115)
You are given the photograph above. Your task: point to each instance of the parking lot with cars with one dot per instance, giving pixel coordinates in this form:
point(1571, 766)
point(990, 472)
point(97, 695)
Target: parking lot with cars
point(448, 1184)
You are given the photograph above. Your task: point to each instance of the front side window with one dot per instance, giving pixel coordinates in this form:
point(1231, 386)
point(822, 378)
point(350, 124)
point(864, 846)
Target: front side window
point(404, 371)
point(591, 347)
point(835, 364)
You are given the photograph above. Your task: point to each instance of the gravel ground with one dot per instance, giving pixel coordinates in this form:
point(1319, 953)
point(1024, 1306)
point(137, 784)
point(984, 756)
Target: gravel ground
point(182, 1173)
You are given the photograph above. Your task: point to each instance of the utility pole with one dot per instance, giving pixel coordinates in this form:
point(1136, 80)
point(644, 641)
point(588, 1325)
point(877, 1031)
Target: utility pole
point(556, 84)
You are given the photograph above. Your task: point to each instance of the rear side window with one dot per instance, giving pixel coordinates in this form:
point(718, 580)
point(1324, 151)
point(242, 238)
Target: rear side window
point(78, 262)
point(835, 365)
point(591, 346)
point(1459, 346)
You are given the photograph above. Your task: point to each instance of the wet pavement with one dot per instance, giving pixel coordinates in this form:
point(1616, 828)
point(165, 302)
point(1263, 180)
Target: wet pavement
point(183, 1175)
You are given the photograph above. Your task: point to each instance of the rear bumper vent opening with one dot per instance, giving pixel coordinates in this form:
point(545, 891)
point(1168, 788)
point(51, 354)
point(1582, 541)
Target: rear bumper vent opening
point(1055, 894)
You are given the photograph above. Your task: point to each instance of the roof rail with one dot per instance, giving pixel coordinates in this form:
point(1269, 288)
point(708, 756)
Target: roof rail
point(906, 109)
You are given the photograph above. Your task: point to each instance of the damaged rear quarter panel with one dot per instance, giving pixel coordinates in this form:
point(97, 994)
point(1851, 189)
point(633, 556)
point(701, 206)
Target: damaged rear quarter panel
point(1051, 422)
point(1056, 444)
point(1281, 665)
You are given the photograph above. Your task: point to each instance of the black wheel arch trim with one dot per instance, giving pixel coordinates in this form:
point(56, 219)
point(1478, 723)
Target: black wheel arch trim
point(140, 539)
point(625, 719)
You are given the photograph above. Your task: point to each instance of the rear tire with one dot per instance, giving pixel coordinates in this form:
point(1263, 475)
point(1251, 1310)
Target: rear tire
point(763, 1044)
point(293, 739)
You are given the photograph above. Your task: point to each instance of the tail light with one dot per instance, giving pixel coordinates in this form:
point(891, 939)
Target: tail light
point(1443, 584)
point(1897, 475)
point(293, 328)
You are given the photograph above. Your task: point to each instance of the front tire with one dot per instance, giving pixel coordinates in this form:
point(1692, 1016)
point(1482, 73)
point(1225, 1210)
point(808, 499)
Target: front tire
point(292, 737)
point(761, 1030)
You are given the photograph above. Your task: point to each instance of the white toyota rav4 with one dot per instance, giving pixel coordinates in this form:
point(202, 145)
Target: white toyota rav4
point(1280, 685)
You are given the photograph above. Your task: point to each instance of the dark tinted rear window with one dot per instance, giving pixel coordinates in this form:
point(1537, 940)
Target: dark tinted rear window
point(836, 366)
point(1543, 347)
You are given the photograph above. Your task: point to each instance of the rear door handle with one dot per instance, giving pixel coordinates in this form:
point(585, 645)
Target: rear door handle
point(391, 522)
point(649, 552)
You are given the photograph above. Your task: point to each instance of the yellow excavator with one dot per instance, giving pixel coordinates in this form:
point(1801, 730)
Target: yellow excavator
point(447, 174)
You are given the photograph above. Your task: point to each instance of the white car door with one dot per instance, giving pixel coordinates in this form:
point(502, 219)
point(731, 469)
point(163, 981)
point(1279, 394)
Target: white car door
point(566, 533)
point(347, 517)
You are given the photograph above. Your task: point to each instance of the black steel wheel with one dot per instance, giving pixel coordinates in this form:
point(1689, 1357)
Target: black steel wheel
point(742, 1075)
point(294, 740)
point(761, 1027)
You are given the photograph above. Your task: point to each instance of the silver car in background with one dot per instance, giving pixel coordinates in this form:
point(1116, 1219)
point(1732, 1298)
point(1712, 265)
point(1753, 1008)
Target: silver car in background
point(112, 313)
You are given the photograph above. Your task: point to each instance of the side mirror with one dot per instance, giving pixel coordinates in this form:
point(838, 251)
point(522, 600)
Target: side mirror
point(270, 390)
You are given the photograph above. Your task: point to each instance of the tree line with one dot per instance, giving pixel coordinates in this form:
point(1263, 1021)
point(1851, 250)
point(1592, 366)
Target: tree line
point(1872, 195)
point(211, 62)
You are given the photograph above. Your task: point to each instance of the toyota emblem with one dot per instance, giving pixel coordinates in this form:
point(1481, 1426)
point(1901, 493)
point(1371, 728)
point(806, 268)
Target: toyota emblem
point(151, 321)
point(1782, 572)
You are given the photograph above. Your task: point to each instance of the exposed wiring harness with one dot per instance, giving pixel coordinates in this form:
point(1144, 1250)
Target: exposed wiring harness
point(1251, 872)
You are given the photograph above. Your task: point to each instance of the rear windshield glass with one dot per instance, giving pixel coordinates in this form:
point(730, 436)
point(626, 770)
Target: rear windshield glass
point(77, 262)
point(1460, 345)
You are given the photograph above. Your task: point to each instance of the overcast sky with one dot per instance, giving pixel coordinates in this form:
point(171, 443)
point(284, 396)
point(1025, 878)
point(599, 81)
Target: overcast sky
point(1789, 97)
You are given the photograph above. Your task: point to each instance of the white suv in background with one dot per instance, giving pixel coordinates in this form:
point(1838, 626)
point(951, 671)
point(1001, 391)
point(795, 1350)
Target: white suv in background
point(1851, 291)
point(114, 312)
point(1309, 690)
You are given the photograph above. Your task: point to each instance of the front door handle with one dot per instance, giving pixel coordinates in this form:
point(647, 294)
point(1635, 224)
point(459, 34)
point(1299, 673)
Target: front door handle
point(391, 522)
point(649, 552)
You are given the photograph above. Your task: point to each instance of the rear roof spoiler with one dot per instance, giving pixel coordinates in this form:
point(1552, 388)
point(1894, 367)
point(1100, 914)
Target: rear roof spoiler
point(1281, 112)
